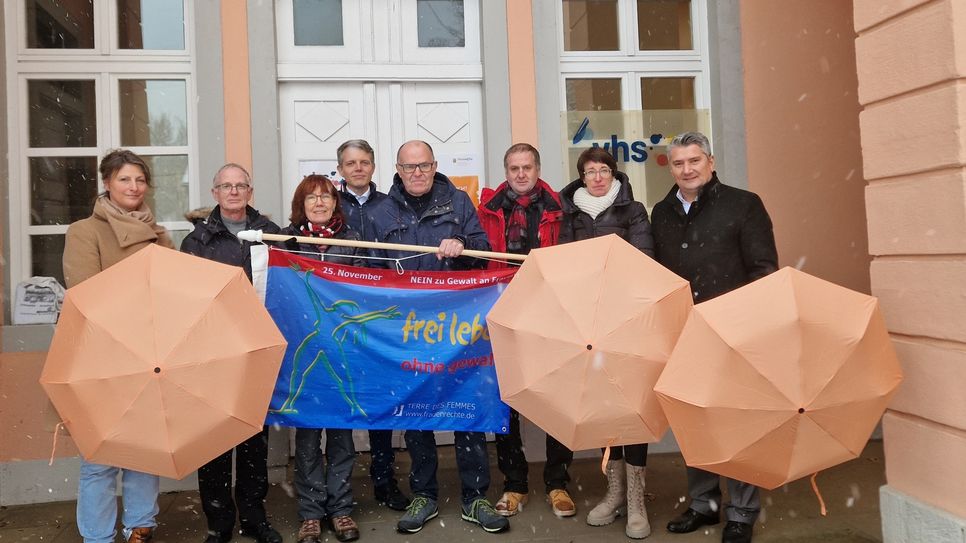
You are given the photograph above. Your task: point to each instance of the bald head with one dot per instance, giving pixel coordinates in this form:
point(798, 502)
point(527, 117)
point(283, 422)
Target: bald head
point(416, 166)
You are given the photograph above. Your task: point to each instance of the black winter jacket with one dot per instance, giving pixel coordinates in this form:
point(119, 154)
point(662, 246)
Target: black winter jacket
point(626, 217)
point(450, 215)
point(337, 254)
point(356, 213)
point(725, 241)
point(211, 239)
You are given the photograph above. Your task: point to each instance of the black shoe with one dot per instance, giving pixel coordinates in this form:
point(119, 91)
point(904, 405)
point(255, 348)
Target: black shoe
point(736, 532)
point(390, 496)
point(263, 533)
point(215, 537)
point(690, 521)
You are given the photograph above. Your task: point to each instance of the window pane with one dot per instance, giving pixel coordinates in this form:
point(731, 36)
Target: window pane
point(62, 189)
point(663, 25)
point(318, 22)
point(47, 254)
point(667, 92)
point(440, 23)
point(590, 25)
point(153, 112)
point(593, 94)
point(169, 197)
point(62, 113)
point(150, 24)
point(60, 24)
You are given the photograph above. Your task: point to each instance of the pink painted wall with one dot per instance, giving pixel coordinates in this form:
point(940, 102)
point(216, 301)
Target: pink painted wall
point(802, 124)
point(911, 64)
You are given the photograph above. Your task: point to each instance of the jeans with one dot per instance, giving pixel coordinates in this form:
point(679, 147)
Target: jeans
point(383, 458)
point(471, 462)
point(251, 486)
point(323, 492)
point(513, 462)
point(97, 501)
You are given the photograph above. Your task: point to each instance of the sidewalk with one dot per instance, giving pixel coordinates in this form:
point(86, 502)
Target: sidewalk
point(790, 514)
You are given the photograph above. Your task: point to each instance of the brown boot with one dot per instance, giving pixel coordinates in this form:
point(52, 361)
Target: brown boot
point(140, 535)
point(345, 528)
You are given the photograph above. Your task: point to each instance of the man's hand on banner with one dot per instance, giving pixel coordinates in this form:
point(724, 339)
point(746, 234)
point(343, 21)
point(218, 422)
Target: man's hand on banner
point(449, 248)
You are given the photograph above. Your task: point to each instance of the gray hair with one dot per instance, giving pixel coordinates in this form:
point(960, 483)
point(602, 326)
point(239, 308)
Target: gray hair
point(690, 138)
point(361, 145)
point(428, 146)
point(230, 165)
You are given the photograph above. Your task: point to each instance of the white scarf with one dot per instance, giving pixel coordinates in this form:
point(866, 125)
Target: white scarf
point(595, 205)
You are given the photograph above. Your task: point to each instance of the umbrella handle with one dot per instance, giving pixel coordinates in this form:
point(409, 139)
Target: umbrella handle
point(53, 446)
point(818, 494)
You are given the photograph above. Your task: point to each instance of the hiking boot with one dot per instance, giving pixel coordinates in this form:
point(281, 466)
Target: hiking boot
point(310, 532)
point(421, 510)
point(482, 513)
point(345, 528)
point(140, 535)
point(511, 503)
point(638, 526)
point(607, 510)
point(562, 503)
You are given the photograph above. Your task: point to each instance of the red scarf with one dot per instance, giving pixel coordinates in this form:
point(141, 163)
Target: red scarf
point(327, 230)
point(516, 226)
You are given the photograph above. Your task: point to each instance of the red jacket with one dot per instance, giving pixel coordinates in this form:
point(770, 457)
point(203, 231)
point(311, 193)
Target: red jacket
point(494, 222)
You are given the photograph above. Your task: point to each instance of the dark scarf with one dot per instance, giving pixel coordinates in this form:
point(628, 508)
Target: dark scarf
point(521, 233)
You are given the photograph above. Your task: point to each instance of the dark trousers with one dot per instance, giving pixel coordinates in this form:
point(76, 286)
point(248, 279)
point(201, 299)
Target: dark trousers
point(705, 490)
point(383, 457)
point(513, 462)
point(471, 462)
point(635, 455)
point(251, 486)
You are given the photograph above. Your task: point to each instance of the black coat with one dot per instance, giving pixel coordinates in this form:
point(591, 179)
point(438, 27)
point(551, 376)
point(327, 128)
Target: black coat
point(336, 254)
point(211, 239)
point(725, 241)
point(626, 217)
point(356, 214)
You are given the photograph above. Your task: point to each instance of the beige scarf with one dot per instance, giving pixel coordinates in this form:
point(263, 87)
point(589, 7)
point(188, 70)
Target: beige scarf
point(595, 205)
point(141, 214)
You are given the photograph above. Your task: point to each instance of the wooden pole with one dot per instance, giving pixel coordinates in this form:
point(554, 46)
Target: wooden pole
point(258, 235)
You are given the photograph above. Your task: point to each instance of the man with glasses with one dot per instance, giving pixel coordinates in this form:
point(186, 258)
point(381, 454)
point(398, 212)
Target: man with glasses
point(521, 214)
point(215, 239)
point(719, 238)
point(358, 194)
point(425, 208)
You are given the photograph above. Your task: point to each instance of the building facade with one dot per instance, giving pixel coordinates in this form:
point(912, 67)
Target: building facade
point(779, 85)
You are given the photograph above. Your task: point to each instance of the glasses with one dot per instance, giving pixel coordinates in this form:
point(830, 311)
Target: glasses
point(228, 187)
point(312, 198)
point(424, 167)
point(603, 172)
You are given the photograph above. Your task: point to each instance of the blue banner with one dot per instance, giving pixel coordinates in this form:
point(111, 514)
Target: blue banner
point(370, 348)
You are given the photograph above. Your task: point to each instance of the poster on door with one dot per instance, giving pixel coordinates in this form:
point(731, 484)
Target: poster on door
point(465, 171)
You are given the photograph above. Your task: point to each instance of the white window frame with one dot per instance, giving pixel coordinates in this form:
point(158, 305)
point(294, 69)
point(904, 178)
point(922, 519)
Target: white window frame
point(391, 55)
point(105, 64)
point(630, 64)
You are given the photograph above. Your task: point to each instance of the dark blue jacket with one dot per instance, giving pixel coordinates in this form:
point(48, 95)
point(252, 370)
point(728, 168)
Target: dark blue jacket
point(211, 239)
point(355, 213)
point(451, 214)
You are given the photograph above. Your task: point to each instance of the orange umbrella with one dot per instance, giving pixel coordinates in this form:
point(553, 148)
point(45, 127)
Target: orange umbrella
point(581, 335)
point(779, 379)
point(162, 362)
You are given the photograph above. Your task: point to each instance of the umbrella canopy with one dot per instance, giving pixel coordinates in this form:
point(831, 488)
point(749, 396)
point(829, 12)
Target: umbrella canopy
point(162, 362)
point(779, 379)
point(581, 335)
